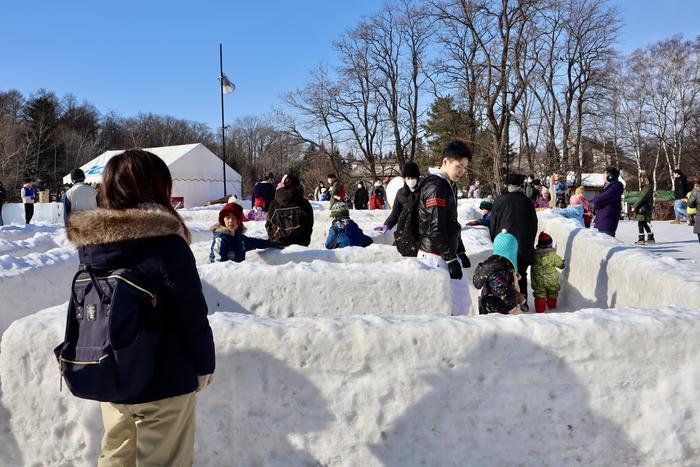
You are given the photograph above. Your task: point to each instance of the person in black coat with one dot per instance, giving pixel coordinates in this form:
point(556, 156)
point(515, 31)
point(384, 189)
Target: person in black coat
point(361, 196)
point(514, 212)
point(406, 195)
point(265, 190)
point(680, 192)
point(439, 232)
point(140, 230)
point(298, 211)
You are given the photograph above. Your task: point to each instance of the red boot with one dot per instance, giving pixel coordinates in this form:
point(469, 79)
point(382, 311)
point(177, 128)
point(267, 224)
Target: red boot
point(540, 304)
point(552, 303)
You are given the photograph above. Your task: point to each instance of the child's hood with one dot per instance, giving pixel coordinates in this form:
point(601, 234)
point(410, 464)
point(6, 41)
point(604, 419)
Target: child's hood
point(220, 229)
point(489, 267)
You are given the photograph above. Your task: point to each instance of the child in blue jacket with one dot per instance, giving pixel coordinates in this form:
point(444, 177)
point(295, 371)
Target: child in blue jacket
point(229, 243)
point(344, 231)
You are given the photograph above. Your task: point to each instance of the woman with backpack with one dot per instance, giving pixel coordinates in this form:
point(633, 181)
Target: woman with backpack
point(290, 219)
point(139, 230)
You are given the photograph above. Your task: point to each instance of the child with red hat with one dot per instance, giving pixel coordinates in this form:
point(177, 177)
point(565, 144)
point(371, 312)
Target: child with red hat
point(230, 243)
point(545, 279)
point(258, 212)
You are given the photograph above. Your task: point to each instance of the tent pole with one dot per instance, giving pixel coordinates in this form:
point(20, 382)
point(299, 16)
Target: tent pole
point(223, 128)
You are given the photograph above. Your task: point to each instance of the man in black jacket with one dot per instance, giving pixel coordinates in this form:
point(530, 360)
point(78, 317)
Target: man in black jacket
point(514, 212)
point(439, 231)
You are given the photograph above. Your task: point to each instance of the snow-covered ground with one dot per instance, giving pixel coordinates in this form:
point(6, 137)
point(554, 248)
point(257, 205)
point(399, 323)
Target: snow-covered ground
point(307, 381)
point(672, 240)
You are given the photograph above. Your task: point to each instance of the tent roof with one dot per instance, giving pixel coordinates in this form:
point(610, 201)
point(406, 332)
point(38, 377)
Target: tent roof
point(169, 154)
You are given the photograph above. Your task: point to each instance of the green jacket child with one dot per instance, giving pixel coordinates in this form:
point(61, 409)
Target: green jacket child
point(545, 279)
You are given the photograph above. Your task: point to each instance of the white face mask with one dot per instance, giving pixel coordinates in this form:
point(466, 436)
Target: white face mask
point(412, 183)
point(359, 185)
point(330, 181)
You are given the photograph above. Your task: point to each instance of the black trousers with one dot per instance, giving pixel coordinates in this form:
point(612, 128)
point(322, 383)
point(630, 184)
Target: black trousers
point(522, 283)
point(643, 225)
point(28, 212)
point(1, 222)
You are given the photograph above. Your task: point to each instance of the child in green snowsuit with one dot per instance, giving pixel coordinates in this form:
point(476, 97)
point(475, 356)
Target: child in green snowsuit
point(545, 280)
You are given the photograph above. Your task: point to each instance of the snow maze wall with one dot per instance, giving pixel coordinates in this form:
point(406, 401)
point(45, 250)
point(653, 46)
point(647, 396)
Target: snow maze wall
point(321, 387)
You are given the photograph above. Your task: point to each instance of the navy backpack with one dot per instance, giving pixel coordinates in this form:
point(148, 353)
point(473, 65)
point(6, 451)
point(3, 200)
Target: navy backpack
point(108, 353)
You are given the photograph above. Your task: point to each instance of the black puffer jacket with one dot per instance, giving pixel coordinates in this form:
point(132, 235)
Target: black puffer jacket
point(285, 198)
point(149, 242)
point(680, 187)
point(404, 198)
point(516, 213)
point(438, 228)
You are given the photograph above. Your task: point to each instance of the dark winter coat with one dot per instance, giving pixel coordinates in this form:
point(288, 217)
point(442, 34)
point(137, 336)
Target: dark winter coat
point(680, 187)
point(266, 191)
point(438, 229)
point(646, 199)
point(361, 198)
point(336, 192)
point(345, 232)
point(693, 202)
point(150, 242)
point(404, 198)
point(515, 212)
point(496, 279)
point(292, 198)
point(608, 206)
point(231, 245)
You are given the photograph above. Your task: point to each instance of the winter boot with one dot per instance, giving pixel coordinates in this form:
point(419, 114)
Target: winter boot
point(552, 303)
point(641, 240)
point(650, 238)
point(540, 304)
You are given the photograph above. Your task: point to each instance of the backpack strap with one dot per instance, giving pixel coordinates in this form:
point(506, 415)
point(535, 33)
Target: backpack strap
point(103, 296)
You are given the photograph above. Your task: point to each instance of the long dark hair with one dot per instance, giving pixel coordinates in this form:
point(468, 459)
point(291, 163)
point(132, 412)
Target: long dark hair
point(135, 177)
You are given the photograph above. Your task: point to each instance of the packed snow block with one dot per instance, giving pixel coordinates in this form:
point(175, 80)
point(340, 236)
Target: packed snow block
point(34, 282)
point(603, 272)
point(300, 254)
point(39, 242)
point(597, 387)
point(330, 289)
point(50, 213)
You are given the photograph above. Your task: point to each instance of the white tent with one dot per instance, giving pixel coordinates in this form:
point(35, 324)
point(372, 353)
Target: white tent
point(197, 172)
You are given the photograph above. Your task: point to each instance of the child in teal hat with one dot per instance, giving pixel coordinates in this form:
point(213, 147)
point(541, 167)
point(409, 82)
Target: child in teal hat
point(497, 278)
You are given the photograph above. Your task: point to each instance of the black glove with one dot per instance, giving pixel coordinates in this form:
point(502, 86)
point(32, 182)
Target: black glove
point(455, 269)
point(465, 260)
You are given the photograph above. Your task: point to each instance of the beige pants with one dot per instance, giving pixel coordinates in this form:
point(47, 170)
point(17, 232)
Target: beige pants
point(159, 433)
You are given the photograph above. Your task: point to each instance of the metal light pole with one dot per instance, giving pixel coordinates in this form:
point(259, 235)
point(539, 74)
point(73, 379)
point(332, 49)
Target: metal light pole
point(223, 128)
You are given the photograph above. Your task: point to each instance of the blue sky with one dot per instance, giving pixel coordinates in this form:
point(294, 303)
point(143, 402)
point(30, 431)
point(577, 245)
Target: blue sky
point(163, 57)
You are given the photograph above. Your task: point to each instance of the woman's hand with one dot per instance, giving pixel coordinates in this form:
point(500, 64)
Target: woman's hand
point(204, 381)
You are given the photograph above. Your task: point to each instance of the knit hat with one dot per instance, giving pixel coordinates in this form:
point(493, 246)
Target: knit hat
point(411, 170)
point(259, 203)
point(340, 210)
point(77, 175)
point(537, 182)
point(515, 179)
point(232, 208)
point(506, 245)
point(486, 204)
point(544, 240)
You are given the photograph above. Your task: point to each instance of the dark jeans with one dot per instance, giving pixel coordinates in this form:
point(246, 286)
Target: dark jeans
point(28, 212)
point(607, 232)
point(1, 222)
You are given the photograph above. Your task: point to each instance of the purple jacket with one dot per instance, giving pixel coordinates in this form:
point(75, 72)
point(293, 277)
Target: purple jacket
point(608, 206)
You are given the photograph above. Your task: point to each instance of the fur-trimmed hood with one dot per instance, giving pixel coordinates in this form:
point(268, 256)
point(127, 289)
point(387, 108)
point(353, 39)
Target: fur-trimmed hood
point(218, 228)
point(101, 226)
